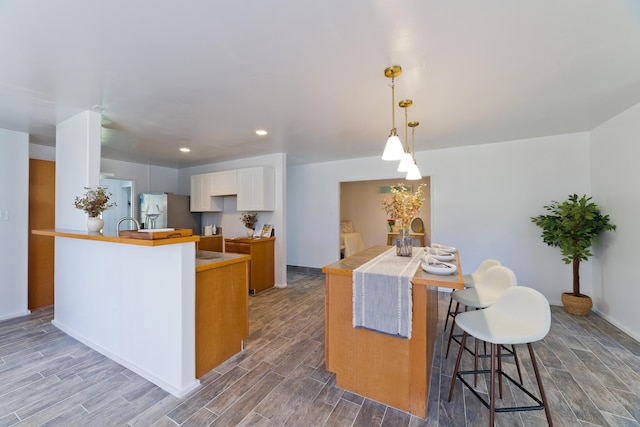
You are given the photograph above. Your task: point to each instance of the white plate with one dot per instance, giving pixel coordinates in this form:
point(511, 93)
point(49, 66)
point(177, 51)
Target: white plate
point(444, 248)
point(441, 268)
point(444, 257)
point(155, 230)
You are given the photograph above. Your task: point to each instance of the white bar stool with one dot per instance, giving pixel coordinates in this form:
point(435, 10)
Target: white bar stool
point(521, 316)
point(469, 282)
point(486, 291)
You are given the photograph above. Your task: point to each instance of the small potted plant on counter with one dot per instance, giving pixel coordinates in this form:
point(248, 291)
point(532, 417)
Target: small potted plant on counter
point(249, 220)
point(94, 202)
point(573, 226)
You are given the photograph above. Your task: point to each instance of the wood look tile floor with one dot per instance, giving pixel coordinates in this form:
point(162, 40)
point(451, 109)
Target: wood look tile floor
point(591, 372)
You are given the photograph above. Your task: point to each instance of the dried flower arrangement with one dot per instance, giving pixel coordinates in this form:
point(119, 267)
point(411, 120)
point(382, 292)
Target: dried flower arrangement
point(402, 205)
point(94, 201)
point(249, 219)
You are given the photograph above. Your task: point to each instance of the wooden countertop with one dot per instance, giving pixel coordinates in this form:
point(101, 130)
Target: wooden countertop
point(207, 260)
point(345, 267)
point(112, 237)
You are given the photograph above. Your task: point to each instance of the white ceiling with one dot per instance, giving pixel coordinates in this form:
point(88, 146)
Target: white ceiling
point(207, 74)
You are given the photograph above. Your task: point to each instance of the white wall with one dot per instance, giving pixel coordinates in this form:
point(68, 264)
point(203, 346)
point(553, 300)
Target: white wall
point(42, 152)
point(615, 176)
point(482, 200)
point(146, 178)
point(14, 223)
point(230, 218)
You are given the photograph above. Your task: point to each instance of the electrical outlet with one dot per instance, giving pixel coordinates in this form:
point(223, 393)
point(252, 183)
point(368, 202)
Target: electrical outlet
point(5, 215)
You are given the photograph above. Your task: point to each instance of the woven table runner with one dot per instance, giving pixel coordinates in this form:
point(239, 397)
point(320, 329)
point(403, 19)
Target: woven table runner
point(382, 293)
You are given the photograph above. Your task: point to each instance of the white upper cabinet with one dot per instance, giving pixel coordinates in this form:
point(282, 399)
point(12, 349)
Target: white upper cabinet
point(202, 192)
point(225, 183)
point(256, 189)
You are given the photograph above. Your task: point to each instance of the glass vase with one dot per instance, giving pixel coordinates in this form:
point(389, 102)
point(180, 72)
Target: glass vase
point(404, 244)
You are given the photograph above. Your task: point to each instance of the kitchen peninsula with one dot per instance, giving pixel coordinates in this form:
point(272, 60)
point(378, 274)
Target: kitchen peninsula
point(136, 302)
point(389, 369)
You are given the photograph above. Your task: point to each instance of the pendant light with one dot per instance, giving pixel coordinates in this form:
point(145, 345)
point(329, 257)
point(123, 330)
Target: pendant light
point(407, 159)
point(414, 173)
point(393, 150)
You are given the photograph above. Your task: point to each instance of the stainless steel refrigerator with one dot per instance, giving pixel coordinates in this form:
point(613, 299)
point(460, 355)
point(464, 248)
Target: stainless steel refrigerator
point(174, 211)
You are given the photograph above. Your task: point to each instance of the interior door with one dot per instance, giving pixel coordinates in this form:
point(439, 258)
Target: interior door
point(42, 207)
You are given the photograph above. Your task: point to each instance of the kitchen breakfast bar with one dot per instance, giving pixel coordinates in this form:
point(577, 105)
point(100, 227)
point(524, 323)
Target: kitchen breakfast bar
point(154, 306)
point(389, 369)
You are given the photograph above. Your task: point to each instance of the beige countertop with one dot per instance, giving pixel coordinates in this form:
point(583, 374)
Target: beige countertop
point(206, 260)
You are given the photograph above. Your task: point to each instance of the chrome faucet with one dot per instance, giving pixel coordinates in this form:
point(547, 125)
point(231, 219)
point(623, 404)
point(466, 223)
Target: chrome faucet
point(127, 218)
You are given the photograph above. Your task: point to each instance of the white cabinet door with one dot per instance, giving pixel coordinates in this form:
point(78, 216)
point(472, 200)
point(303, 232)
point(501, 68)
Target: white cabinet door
point(201, 194)
point(230, 179)
point(196, 193)
point(256, 189)
point(224, 183)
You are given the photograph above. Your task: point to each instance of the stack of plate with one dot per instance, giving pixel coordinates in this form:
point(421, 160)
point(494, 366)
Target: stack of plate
point(439, 254)
point(444, 248)
point(436, 257)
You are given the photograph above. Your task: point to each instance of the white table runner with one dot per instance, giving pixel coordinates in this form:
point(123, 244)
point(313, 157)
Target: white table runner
point(382, 293)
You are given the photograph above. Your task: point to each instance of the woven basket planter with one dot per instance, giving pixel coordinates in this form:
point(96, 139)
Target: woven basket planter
point(578, 305)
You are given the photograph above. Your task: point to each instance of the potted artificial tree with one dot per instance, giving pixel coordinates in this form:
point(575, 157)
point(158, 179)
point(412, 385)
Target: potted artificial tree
point(573, 226)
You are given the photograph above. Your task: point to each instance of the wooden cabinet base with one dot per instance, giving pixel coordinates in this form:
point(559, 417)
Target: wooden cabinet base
point(394, 371)
point(262, 252)
point(222, 320)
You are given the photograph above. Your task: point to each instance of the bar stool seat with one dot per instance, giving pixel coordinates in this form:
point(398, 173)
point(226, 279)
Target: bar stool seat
point(487, 291)
point(521, 316)
point(470, 281)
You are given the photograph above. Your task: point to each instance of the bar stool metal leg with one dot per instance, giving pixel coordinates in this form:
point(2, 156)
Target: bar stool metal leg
point(492, 386)
point(457, 367)
point(543, 396)
point(446, 320)
point(517, 362)
point(453, 326)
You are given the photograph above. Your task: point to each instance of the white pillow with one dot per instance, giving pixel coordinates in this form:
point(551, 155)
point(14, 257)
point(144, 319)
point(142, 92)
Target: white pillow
point(346, 227)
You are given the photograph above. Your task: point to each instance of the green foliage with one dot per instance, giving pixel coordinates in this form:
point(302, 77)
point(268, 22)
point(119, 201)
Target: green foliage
point(573, 226)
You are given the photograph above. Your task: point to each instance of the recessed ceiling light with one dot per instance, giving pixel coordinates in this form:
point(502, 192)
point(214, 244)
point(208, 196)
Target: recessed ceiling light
point(185, 149)
point(261, 132)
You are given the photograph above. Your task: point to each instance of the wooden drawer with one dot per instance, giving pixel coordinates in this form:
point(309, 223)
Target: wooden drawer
point(237, 247)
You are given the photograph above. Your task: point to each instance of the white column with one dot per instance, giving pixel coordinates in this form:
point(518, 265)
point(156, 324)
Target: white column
point(77, 165)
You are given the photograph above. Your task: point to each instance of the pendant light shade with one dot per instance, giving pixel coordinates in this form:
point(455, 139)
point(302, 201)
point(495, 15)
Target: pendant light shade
point(393, 150)
point(414, 173)
point(405, 162)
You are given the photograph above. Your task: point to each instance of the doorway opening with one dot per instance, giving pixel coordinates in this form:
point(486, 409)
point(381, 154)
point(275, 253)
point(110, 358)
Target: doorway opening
point(361, 209)
point(123, 194)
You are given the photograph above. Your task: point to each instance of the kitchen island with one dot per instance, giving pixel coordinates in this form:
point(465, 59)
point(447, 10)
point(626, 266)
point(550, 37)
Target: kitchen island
point(389, 369)
point(134, 300)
